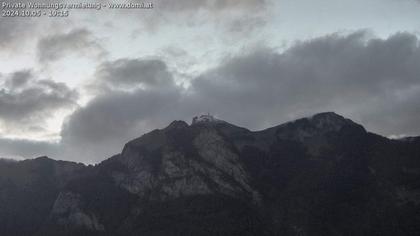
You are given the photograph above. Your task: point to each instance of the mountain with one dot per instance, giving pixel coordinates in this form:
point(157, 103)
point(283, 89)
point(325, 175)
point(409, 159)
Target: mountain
point(321, 175)
point(28, 190)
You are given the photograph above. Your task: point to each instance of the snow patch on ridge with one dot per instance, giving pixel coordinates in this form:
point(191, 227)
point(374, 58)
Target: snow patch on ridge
point(205, 118)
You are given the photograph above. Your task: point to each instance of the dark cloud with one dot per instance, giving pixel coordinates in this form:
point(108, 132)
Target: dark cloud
point(112, 118)
point(132, 72)
point(372, 81)
point(56, 46)
point(101, 128)
point(24, 99)
point(19, 79)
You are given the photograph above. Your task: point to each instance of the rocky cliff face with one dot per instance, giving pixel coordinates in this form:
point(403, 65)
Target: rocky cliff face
point(182, 161)
point(323, 175)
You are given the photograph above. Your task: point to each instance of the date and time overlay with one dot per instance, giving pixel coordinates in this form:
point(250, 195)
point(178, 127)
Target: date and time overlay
point(31, 9)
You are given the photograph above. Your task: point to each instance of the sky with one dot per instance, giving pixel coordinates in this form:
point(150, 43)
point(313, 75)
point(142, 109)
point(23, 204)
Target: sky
point(79, 87)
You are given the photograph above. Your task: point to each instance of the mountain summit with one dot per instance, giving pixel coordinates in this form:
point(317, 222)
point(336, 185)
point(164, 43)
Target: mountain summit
point(205, 118)
point(321, 175)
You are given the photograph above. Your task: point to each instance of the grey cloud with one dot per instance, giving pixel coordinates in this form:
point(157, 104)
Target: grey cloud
point(372, 81)
point(26, 99)
point(19, 79)
point(56, 46)
point(130, 72)
point(101, 128)
point(16, 31)
point(368, 80)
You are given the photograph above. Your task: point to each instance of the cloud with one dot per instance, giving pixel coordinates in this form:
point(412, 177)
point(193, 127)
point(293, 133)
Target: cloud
point(374, 81)
point(370, 80)
point(26, 101)
point(118, 115)
point(13, 31)
point(132, 72)
point(18, 79)
point(56, 46)
point(101, 128)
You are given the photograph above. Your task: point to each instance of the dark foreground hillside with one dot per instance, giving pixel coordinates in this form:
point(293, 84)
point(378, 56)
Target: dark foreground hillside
point(323, 175)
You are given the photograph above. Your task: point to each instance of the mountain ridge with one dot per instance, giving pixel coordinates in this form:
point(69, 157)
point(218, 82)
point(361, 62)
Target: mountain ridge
point(319, 175)
point(183, 123)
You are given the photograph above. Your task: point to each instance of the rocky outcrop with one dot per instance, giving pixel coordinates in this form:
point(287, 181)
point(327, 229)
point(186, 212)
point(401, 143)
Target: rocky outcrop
point(225, 162)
